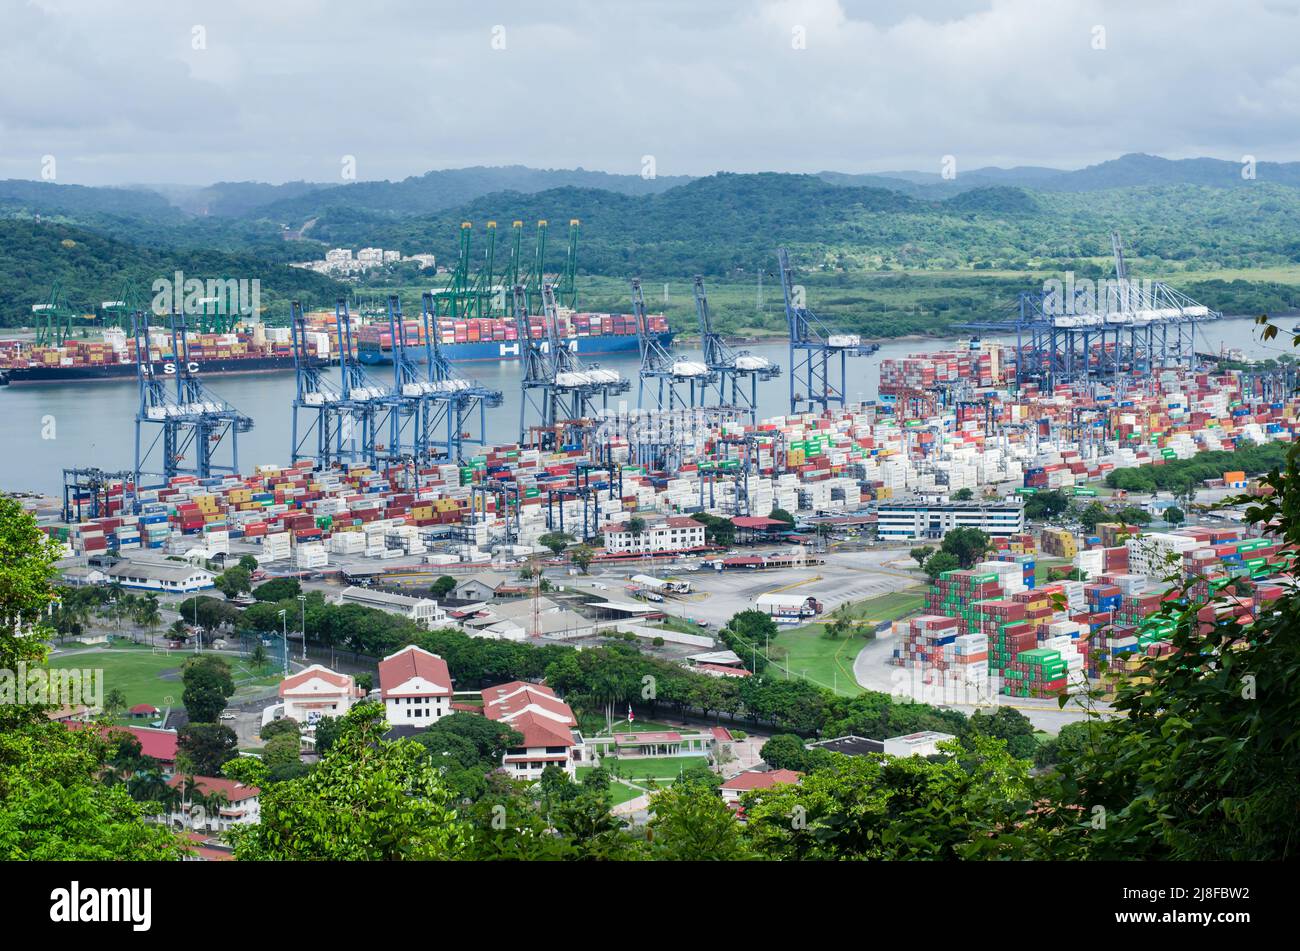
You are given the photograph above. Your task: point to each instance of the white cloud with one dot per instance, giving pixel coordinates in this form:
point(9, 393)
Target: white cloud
point(285, 88)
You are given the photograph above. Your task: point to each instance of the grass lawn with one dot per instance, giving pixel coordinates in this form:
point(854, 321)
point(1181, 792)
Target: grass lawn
point(146, 677)
point(595, 726)
point(681, 627)
point(830, 662)
point(1044, 565)
point(663, 768)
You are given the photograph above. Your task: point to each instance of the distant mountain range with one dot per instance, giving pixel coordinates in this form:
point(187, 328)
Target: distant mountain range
point(294, 203)
point(1186, 215)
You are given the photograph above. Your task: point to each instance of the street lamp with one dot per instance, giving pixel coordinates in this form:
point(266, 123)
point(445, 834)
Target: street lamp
point(284, 634)
point(302, 600)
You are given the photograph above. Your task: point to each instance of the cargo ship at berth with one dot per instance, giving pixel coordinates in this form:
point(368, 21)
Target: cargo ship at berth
point(258, 350)
point(481, 339)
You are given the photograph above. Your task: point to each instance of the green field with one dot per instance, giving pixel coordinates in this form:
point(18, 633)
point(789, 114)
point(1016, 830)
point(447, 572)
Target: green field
point(644, 775)
point(147, 677)
point(592, 725)
point(809, 655)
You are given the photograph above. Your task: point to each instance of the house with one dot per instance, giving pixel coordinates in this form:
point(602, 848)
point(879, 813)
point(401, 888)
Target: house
point(759, 528)
point(483, 586)
point(752, 779)
point(224, 802)
point(423, 611)
point(925, 743)
point(546, 722)
point(144, 711)
point(318, 692)
point(169, 576)
point(415, 686)
point(672, 534)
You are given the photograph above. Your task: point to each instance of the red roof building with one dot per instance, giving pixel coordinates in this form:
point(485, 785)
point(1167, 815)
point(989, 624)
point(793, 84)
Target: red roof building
point(159, 744)
point(757, 779)
point(546, 723)
point(415, 685)
point(317, 692)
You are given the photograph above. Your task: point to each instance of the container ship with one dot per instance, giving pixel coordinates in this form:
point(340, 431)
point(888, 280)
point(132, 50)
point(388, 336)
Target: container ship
point(485, 338)
point(257, 350)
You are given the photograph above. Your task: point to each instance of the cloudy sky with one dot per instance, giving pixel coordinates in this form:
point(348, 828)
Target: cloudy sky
point(123, 91)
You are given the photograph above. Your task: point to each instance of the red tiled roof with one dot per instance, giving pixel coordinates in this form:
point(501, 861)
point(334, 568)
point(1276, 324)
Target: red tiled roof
point(203, 848)
point(160, 744)
point(539, 730)
point(144, 708)
point(757, 780)
point(409, 663)
point(757, 521)
point(505, 701)
point(234, 792)
point(680, 522)
point(316, 671)
point(724, 670)
point(722, 733)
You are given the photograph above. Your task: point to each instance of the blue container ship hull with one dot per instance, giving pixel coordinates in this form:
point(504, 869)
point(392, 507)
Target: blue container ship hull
point(496, 350)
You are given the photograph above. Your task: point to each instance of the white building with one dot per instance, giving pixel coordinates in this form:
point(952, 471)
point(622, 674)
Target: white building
point(318, 692)
point(423, 611)
point(548, 726)
point(675, 533)
point(229, 803)
point(913, 518)
point(925, 743)
point(415, 686)
point(1159, 555)
point(170, 576)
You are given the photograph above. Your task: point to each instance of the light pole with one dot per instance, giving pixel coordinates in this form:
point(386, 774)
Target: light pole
point(302, 600)
point(284, 634)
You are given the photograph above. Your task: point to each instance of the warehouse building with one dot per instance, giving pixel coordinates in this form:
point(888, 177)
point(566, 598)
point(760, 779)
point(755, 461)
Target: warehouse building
point(913, 518)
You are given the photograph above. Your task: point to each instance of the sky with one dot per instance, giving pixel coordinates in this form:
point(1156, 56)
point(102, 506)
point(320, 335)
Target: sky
point(165, 91)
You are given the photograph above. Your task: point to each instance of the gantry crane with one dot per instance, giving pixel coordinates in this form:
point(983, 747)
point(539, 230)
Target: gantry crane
point(669, 375)
point(813, 348)
point(192, 421)
point(556, 386)
point(53, 319)
point(734, 369)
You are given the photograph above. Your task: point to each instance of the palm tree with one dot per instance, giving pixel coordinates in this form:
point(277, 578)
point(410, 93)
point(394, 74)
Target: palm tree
point(148, 616)
point(114, 703)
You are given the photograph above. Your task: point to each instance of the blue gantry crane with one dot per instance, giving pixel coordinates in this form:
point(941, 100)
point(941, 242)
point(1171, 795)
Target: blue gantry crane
point(191, 423)
point(557, 388)
point(738, 372)
point(815, 349)
point(669, 375)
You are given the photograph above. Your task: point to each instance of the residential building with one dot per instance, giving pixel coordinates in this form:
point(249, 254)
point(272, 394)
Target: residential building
point(672, 534)
point(157, 744)
point(752, 779)
point(415, 686)
point(318, 692)
point(236, 804)
point(423, 611)
point(848, 745)
point(169, 576)
point(914, 518)
point(548, 726)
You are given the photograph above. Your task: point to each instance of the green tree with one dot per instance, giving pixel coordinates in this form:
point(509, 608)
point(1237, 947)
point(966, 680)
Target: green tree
point(234, 581)
point(368, 799)
point(207, 686)
point(555, 541)
point(963, 494)
point(691, 823)
point(581, 556)
point(278, 589)
point(1174, 515)
point(781, 515)
point(940, 562)
point(920, 553)
point(636, 525)
point(282, 749)
point(203, 748)
point(967, 545)
point(248, 563)
point(443, 586)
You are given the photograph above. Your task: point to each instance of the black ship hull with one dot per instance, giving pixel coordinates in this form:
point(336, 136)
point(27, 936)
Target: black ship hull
point(20, 376)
